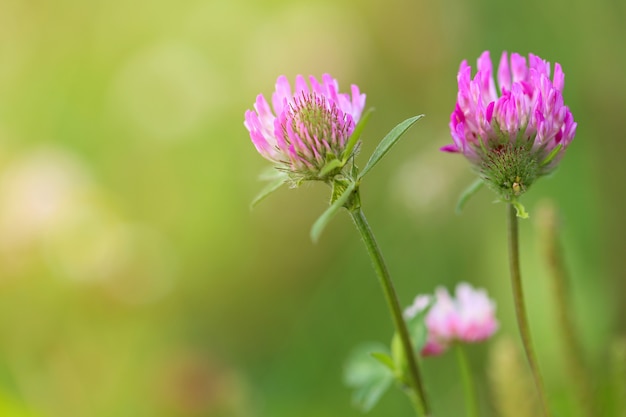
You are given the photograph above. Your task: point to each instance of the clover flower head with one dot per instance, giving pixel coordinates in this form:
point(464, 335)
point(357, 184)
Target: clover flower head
point(476, 314)
point(306, 128)
point(468, 317)
point(516, 133)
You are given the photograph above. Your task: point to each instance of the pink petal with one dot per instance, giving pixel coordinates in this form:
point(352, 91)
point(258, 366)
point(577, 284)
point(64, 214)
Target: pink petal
point(518, 67)
point(559, 77)
point(281, 95)
point(504, 73)
point(301, 86)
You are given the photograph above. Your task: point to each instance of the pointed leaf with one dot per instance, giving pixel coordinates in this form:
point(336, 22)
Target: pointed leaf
point(367, 376)
point(385, 359)
point(356, 134)
point(468, 193)
point(388, 141)
point(269, 189)
point(519, 209)
point(330, 212)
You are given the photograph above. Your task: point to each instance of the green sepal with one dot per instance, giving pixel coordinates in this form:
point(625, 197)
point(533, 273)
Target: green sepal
point(551, 155)
point(387, 143)
point(467, 194)
point(367, 375)
point(483, 148)
point(330, 167)
point(267, 190)
point(356, 134)
point(330, 212)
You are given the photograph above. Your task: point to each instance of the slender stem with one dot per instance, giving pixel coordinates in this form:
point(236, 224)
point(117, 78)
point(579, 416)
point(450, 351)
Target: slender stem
point(520, 308)
point(392, 301)
point(618, 375)
point(416, 401)
point(468, 382)
point(573, 350)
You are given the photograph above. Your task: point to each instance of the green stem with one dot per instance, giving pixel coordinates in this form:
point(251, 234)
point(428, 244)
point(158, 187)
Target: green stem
point(520, 308)
point(392, 301)
point(468, 383)
point(573, 350)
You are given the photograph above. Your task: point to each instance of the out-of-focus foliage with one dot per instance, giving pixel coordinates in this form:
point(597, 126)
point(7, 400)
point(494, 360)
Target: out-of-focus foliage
point(134, 280)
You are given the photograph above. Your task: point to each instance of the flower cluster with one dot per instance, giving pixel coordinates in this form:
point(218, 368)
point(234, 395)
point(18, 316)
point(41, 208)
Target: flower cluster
point(308, 128)
point(519, 135)
point(469, 317)
point(512, 132)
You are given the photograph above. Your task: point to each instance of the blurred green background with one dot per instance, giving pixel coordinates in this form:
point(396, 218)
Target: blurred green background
point(134, 279)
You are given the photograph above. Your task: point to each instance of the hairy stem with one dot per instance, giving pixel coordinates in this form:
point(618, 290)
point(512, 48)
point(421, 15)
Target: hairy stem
point(520, 307)
point(394, 306)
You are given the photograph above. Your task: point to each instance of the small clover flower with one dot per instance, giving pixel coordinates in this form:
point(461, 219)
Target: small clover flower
point(469, 317)
point(307, 129)
point(477, 321)
point(514, 137)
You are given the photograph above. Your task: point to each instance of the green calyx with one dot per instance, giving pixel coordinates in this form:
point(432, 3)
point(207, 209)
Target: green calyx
point(332, 168)
point(509, 169)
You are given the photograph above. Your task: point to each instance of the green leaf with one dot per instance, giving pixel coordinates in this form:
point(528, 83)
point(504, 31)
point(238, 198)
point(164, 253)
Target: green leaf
point(519, 209)
point(356, 134)
point(388, 141)
point(468, 193)
point(367, 375)
point(269, 189)
point(418, 333)
point(418, 330)
point(397, 353)
point(385, 359)
point(330, 212)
